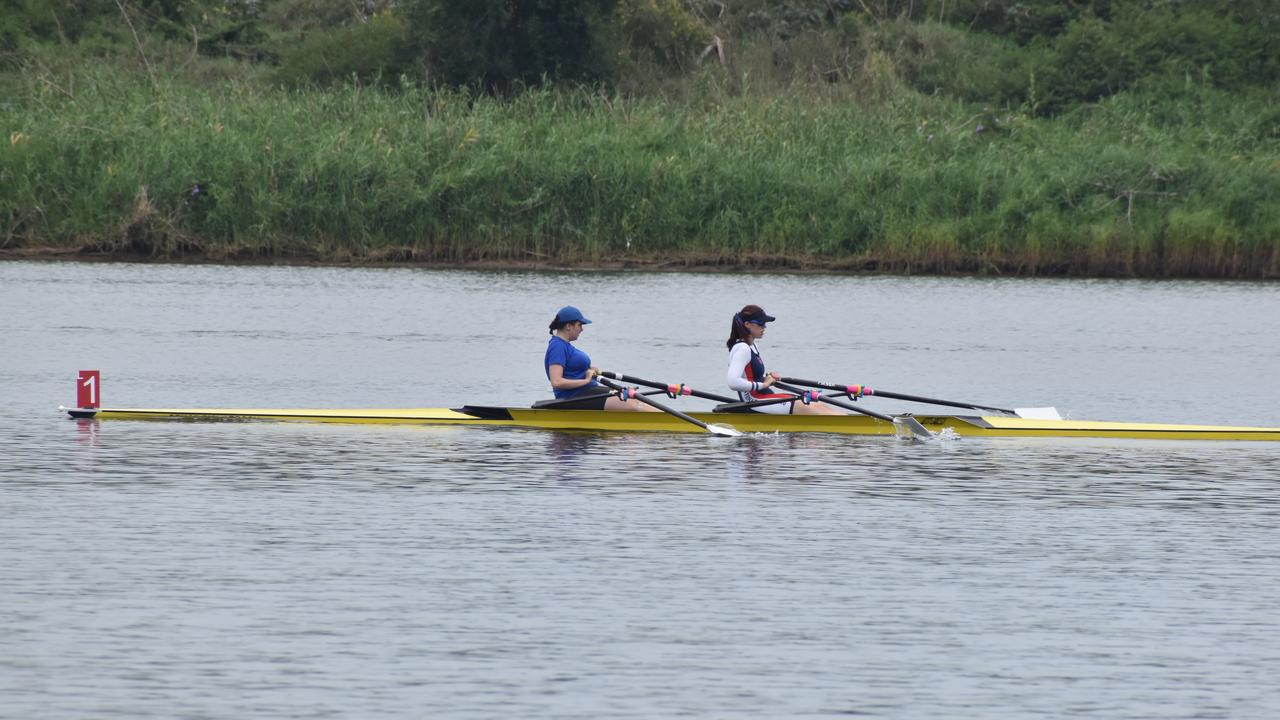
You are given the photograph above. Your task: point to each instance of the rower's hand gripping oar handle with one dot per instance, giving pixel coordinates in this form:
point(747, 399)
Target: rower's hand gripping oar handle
point(832, 401)
point(670, 411)
point(680, 389)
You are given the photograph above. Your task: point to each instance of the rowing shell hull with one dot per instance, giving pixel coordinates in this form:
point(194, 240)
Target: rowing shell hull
point(599, 420)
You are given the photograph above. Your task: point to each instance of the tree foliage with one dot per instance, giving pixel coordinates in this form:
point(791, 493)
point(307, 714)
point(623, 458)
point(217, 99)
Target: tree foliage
point(1041, 55)
point(658, 33)
point(373, 48)
point(499, 44)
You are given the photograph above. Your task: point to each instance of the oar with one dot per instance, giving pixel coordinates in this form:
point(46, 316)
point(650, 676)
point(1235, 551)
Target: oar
point(684, 390)
point(713, 429)
point(857, 389)
point(669, 388)
point(753, 404)
point(906, 421)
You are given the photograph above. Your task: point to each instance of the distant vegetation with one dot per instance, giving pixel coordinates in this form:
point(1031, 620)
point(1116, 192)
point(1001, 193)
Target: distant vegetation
point(1129, 138)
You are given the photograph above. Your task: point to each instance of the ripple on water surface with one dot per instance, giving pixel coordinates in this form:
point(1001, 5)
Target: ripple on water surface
point(266, 570)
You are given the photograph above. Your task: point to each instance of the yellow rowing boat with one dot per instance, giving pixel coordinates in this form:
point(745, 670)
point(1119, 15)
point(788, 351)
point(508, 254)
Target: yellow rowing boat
point(599, 420)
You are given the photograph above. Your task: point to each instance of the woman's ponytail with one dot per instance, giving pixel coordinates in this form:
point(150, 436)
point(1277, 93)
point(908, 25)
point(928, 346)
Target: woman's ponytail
point(738, 331)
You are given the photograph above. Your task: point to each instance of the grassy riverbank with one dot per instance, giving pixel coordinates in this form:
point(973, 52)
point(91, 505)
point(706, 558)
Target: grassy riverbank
point(1141, 183)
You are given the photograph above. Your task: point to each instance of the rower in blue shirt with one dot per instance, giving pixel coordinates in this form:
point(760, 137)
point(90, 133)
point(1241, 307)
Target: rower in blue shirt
point(570, 371)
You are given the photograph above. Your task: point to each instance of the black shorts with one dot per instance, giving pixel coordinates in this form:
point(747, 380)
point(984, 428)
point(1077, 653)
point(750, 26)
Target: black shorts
point(590, 399)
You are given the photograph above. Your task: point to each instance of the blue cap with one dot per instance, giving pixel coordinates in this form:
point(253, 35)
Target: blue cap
point(569, 313)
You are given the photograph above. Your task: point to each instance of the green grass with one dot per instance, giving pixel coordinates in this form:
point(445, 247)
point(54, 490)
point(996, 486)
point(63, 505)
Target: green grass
point(1142, 184)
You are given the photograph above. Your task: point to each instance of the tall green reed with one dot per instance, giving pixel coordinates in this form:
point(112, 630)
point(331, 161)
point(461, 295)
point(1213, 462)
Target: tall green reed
point(1136, 185)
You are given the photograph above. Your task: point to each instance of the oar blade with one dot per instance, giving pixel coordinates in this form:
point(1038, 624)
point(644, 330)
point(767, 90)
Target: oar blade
point(723, 430)
point(914, 427)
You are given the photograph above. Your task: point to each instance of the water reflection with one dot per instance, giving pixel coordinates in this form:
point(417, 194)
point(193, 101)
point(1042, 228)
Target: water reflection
point(87, 433)
point(568, 448)
point(752, 458)
point(568, 453)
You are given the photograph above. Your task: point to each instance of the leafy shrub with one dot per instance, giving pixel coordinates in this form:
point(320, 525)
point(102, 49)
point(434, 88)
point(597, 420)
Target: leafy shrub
point(659, 32)
point(936, 58)
point(781, 19)
point(500, 44)
point(47, 21)
point(1198, 43)
point(367, 50)
point(1021, 20)
point(1092, 62)
point(18, 21)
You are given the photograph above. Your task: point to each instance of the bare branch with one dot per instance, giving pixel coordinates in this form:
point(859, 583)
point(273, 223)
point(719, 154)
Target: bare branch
point(137, 42)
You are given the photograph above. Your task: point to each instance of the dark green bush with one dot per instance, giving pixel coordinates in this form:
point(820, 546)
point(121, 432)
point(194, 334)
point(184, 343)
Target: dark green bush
point(942, 59)
point(1199, 43)
point(1091, 62)
point(502, 44)
point(18, 22)
point(1021, 20)
point(659, 32)
point(365, 51)
point(49, 21)
point(777, 19)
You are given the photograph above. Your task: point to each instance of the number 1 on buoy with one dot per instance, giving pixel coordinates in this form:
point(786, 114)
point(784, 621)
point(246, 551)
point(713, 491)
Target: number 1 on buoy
point(87, 395)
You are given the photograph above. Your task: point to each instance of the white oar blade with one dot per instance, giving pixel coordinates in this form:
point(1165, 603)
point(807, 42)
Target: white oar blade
point(913, 426)
point(723, 431)
point(1038, 413)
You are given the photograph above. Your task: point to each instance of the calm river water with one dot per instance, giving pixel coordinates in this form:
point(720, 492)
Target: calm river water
point(166, 570)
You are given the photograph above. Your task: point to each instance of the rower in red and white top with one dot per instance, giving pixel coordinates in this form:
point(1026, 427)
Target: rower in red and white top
point(747, 375)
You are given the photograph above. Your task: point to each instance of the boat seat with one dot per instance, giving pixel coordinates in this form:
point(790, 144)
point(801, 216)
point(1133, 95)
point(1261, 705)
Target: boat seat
point(738, 407)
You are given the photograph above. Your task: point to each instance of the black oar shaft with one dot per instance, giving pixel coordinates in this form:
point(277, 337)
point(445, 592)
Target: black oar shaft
point(663, 386)
point(900, 396)
point(837, 403)
point(789, 397)
point(912, 424)
point(654, 403)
